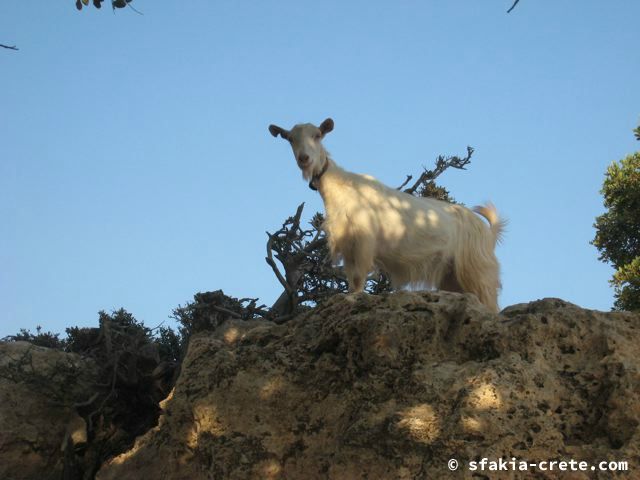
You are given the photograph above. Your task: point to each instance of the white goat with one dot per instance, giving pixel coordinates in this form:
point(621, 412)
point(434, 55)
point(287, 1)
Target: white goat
point(416, 241)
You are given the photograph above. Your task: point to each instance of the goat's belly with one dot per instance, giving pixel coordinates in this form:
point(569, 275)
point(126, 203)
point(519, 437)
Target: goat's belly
point(415, 241)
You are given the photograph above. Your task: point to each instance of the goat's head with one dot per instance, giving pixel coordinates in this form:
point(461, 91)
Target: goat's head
point(306, 142)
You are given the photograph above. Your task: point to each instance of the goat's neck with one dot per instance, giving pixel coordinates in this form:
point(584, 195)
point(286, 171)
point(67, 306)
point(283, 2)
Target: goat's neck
point(330, 183)
point(315, 179)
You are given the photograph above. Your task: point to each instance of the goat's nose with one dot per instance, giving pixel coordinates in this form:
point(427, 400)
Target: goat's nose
point(303, 159)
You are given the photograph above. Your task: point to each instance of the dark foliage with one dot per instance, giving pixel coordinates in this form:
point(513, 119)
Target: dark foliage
point(135, 370)
point(40, 338)
point(169, 345)
point(618, 229)
point(209, 310)
point(98, 3)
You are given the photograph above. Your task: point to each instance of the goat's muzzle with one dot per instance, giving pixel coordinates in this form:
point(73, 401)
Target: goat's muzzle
point(303, 160)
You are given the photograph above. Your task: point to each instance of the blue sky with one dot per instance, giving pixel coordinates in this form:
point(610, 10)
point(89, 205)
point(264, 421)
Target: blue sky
point(136, 168)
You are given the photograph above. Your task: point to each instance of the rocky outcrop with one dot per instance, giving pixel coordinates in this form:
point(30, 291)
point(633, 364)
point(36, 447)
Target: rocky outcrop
point(394, 387)
point(62, 414)
point(39, 423)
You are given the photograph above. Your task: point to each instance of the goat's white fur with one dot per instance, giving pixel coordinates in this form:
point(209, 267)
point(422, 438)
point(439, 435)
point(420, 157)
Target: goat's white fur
point(419, 242)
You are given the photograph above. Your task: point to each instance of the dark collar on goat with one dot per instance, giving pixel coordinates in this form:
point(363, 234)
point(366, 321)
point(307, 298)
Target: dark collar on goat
point(316, 178)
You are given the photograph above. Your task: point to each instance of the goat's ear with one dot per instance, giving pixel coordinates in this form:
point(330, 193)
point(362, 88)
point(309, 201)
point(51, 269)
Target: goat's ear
point(326, 126)
point(276, 130)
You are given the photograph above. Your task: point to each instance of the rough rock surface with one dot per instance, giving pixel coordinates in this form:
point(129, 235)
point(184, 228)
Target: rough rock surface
point(38, 388)
point(393, 386)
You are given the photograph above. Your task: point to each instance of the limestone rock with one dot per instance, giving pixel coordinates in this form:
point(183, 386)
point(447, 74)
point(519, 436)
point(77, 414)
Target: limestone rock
point(38, 388)
point(393, 387)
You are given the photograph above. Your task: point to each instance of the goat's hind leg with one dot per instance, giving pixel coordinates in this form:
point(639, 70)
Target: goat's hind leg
point(449, 282)
point(484, 284)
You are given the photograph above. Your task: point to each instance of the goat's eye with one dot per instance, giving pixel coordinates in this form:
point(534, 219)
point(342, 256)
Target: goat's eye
point(317, 136)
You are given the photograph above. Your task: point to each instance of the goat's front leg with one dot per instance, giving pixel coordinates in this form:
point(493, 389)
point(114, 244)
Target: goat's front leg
point(357, 264)
point(356, 281)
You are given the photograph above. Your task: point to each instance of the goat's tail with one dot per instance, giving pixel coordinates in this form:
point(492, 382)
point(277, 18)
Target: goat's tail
point(496, 224)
